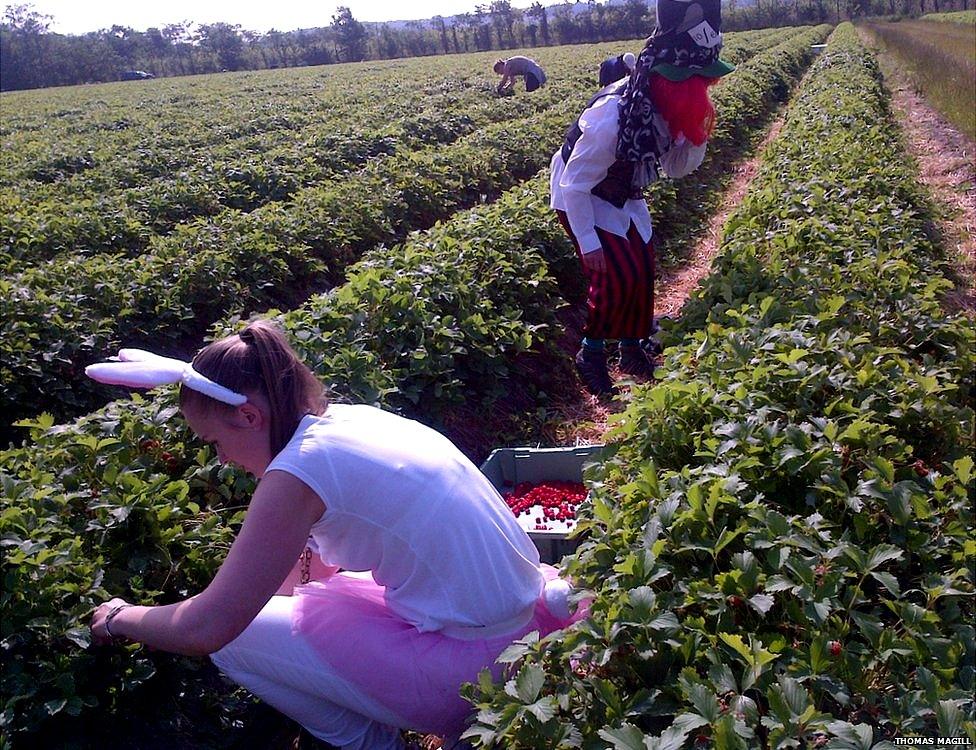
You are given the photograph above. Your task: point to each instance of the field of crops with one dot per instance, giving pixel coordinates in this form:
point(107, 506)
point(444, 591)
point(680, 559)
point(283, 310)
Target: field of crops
point(77, 297)
point(939, 53)
point(800, 478)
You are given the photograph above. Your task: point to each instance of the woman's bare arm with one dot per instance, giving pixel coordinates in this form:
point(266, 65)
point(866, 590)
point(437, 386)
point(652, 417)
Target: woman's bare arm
point(274, 533)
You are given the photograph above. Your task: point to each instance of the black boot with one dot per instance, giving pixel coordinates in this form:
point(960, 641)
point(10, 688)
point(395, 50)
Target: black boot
point(591, 364)
point(636, 361)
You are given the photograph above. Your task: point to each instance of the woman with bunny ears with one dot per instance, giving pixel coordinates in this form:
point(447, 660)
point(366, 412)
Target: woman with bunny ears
point(437, 577)
point(654, 122)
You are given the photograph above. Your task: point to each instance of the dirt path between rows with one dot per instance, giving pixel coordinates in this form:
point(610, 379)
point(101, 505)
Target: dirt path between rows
point(585, 419)
point(947, 167)
point(675, 285)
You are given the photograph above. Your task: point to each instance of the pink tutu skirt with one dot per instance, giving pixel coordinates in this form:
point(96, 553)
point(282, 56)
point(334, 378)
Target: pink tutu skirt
point(416, 675)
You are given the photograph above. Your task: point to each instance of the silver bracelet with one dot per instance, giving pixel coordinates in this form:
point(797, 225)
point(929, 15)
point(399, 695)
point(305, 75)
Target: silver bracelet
point(110, 616)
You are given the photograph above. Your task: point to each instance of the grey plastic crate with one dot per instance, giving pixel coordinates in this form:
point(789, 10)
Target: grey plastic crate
point(506, 467)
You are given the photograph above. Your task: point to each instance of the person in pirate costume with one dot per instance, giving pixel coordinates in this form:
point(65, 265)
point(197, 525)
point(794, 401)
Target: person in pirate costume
point(655, 122)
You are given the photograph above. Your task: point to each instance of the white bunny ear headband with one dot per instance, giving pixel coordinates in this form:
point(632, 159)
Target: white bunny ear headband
point(141, 369)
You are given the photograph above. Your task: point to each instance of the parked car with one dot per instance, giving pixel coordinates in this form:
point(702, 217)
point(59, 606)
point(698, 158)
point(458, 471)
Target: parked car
point(135, 75)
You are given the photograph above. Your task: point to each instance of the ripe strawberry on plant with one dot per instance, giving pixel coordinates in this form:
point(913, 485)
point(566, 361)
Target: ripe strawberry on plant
point(172, 465)
point(148, 445)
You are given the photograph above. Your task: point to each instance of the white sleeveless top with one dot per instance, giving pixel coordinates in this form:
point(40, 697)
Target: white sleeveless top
point(403, 502)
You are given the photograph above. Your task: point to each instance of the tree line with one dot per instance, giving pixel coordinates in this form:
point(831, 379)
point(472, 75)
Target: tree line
point(31, 56)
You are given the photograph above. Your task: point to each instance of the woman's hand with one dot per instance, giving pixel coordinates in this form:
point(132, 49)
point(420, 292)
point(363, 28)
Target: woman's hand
point(101, 636)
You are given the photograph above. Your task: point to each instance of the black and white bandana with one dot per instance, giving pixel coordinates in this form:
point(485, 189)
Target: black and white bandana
point(637, 138)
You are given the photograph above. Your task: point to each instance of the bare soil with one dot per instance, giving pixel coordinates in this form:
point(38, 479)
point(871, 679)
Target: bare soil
point(675, 285)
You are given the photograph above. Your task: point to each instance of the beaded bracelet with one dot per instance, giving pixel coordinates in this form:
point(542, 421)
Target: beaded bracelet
point(306, 562)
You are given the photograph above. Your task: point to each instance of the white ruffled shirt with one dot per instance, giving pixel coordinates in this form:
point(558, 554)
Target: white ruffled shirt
point(593, 154)
point(403, 502)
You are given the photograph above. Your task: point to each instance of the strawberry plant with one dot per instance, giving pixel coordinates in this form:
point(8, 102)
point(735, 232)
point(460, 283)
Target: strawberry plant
point(126, 502)
point(778, 547)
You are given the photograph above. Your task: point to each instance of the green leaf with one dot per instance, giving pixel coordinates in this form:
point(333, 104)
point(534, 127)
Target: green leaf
point(850, 736)
point(794, 694)
point(642, 599)
point(882, 554)
point(667, 621)
point(950, 718)
point(929, 684)
point(543, 709)
point(899, 501)
point(725, 736)
point(516, 652)
point(777, 523)
point(871, 626)
point(762, 603)
point(704, 701)
point(963, 469)
point(888, 581)
point(885, 468)
point(625, 737)
point(601, 510)
point(723, 679)
point(686, 722)
point(736, 642)
point(726, 538)
point(818, 655)
point(80, 636)
point(626, 566)
point(529, 682)
point(818, 611)
point(672, 738)
point(55, 706)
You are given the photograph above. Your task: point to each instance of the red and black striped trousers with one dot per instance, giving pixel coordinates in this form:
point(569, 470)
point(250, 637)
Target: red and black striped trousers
point(620, 301)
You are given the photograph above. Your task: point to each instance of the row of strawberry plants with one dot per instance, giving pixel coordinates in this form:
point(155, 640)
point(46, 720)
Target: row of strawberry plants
point(52, 136)
point(428, 370)
point(779, 544)
point(126, 502)
point(766, 80)
point(153, 129)
point(160, 133)
point(80, 309)
point(113, 207)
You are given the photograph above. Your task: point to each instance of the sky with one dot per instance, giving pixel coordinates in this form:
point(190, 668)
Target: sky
point(79, 17)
